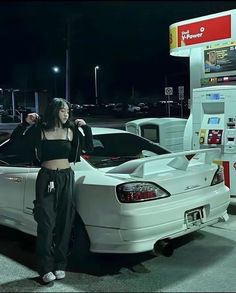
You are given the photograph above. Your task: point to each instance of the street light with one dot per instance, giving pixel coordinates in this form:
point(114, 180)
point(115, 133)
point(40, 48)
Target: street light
point(96, 85)
point(56, 70)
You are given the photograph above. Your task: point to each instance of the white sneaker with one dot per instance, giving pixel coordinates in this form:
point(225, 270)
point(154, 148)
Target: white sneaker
point(49, 277)
point(60, 274)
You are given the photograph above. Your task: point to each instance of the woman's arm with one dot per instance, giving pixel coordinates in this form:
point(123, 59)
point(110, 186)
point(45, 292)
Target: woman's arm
point(23, 137)
point(80, 142)
point(88, 137)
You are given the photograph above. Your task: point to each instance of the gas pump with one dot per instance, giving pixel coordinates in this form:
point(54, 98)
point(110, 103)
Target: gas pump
point(212, 120)
point(214, 125)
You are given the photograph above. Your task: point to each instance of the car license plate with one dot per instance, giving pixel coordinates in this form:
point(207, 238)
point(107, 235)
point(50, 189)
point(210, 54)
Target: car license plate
point(194, 217)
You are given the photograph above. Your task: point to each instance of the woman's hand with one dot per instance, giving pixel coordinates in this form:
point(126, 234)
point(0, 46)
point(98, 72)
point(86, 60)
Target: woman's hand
point(80, 122)
point(32, 118)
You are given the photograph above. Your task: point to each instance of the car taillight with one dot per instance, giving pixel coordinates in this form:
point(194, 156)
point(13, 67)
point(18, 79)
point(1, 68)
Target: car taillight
point(139, 191)
point(219, 176)
point(86, 157)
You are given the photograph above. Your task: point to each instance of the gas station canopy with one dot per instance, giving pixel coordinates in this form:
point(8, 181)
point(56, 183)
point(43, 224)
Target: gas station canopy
point(201, 31)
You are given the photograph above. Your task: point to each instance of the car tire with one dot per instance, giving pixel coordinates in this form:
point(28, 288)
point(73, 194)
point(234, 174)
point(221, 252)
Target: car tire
point(80, 242)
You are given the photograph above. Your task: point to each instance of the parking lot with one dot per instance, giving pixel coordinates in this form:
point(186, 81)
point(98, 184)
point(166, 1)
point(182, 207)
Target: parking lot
point(204, 261)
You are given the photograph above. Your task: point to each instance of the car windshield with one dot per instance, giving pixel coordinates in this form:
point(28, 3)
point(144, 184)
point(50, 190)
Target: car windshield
point(117, 148)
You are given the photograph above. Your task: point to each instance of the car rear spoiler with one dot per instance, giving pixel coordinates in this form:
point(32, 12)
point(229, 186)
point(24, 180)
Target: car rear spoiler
point(144, 166)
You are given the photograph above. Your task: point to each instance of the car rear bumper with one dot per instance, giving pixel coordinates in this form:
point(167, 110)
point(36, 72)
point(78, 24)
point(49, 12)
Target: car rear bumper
point(141, 228)
point(115, 244)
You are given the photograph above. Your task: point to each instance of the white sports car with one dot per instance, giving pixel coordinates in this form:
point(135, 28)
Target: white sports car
point(131, 194)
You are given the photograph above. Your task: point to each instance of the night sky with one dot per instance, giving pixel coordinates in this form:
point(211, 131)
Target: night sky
point(127, 39)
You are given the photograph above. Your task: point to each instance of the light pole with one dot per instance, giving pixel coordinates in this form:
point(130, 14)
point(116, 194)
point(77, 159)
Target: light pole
point(13, 102)
point(96, 85)
point(55, 70)
point(68, 29)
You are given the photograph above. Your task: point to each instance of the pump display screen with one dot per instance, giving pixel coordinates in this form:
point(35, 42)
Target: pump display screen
point(150, 132)
point(215, 96)
point(214, 120)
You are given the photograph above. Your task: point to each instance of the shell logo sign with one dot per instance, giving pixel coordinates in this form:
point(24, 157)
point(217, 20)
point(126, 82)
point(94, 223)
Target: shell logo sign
point(186, 35)
point(214, 29)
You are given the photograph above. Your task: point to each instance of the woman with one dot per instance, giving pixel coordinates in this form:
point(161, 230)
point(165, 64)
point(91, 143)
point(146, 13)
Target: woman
point(54, 142)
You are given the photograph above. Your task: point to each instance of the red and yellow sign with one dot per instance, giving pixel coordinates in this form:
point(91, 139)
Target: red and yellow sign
point(213, 29)
point(173, 38)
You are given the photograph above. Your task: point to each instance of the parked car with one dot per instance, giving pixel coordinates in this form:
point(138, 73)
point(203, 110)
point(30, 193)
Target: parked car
point(7, 116)
point(131, 195)
point(125, 110)
point(122, 107)
point(143, 107)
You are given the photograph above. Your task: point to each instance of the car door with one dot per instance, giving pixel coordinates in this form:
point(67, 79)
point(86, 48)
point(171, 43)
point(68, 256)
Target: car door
point(30, 190)
point(12, 182)
point(30, 225)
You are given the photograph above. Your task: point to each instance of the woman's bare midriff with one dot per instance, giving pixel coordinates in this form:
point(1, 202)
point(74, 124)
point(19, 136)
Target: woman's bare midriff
point(56, 164)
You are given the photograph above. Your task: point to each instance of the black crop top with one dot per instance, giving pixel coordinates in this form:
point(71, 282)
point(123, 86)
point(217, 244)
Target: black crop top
point(54, 149)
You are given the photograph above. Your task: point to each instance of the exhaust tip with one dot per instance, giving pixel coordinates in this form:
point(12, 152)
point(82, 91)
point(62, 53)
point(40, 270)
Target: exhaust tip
point(163, 247)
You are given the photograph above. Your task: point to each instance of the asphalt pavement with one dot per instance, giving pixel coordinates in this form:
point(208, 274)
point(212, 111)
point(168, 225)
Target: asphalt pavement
point(204, 261)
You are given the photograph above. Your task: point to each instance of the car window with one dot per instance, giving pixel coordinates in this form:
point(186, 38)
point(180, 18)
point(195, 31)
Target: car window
point(117, 148)
point(3, 156)
point(4, 136)
point(10, 158)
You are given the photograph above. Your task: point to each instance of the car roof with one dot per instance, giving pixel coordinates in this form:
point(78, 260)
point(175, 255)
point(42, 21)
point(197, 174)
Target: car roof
point(106, 130)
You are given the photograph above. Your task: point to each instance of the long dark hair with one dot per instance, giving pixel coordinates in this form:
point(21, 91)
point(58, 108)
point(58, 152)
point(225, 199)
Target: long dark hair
point(51, 115)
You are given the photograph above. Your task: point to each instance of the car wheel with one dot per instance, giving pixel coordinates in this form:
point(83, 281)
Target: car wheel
point(80, 243)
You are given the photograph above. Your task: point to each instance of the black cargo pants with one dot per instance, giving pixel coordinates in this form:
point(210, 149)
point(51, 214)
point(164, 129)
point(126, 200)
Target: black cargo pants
point(54, 213)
